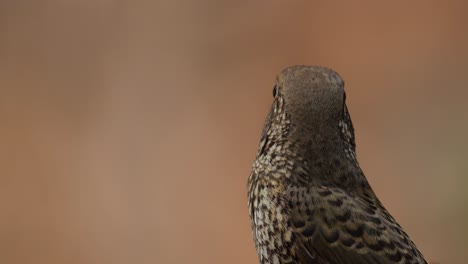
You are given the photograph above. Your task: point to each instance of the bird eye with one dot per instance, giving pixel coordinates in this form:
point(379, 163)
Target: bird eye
point(275, 90)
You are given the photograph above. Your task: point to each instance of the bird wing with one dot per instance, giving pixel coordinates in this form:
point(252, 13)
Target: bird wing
point(334, 226)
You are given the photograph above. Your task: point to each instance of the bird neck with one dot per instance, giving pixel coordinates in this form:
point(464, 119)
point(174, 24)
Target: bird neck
point(327, 160)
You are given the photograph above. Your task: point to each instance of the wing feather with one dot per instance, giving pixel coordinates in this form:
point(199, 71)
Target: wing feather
point(334, 226)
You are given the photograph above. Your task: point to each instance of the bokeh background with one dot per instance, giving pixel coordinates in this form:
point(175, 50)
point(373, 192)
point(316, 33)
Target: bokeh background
point(128, 128)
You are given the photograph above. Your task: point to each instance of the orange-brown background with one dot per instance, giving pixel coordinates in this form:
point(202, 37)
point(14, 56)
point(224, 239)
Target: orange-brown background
point(128, 128)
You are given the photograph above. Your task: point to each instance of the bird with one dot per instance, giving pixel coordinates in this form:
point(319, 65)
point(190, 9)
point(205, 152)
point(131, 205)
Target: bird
point(309, 201)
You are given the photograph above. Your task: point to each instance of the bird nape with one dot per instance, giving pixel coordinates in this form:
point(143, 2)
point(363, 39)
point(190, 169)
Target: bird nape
point(309, 201)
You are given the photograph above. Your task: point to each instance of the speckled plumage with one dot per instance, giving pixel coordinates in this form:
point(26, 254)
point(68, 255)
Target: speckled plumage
point(309, 201)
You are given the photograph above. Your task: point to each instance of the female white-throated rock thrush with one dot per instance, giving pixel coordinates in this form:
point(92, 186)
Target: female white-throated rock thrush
point(309, 201)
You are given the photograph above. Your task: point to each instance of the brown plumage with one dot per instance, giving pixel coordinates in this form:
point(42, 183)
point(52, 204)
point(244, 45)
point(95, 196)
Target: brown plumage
point(309, 201)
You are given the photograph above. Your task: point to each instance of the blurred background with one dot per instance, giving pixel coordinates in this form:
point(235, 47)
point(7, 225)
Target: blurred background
point(128, 128)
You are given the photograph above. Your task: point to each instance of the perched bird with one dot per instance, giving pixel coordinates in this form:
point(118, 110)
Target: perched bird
point(309, 201)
